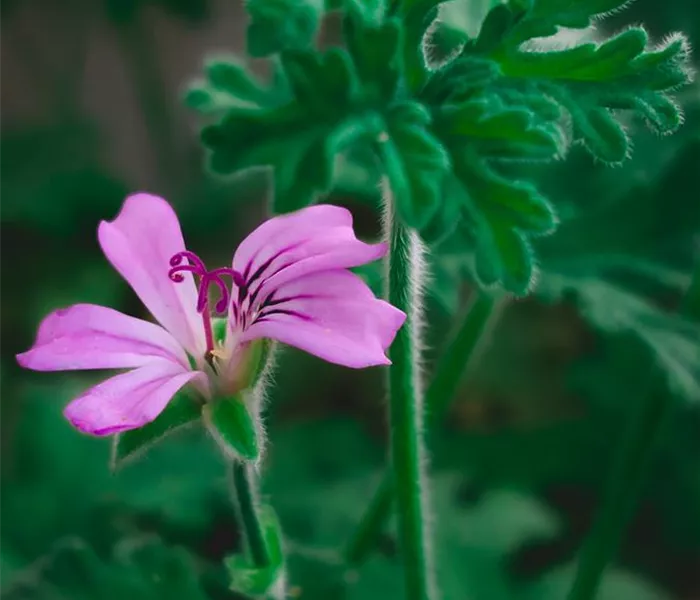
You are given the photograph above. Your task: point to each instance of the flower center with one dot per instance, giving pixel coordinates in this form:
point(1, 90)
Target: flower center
point(251, 304)
point(189, 262)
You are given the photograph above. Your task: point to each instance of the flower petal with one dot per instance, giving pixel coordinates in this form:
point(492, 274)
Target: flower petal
point(129, 400)
point(139, 243)
point(317, 238)
point(87, 336)
point(333, 315)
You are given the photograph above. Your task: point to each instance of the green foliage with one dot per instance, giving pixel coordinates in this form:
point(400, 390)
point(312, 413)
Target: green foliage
point(180, 412)
point(500, 96)
point(228, 84)
point(139, 569)
point(613, 284)
point(523, 456)
point(281, 25)
point(475, 541)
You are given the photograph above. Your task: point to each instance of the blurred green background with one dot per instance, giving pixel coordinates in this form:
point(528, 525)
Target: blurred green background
point(91, 111)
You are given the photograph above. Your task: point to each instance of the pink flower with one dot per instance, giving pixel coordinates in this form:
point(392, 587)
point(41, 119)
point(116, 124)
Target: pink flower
point(288, 282)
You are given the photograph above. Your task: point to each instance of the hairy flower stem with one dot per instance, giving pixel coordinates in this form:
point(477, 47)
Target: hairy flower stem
point(634, 457)
point(456, 360)
point(244, 483)
point(406, 410)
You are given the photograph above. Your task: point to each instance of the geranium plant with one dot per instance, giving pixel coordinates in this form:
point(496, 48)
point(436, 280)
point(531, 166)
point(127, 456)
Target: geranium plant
point(444, 123)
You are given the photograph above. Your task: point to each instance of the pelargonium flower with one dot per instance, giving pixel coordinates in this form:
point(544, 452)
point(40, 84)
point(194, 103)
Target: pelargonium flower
point(288, 282)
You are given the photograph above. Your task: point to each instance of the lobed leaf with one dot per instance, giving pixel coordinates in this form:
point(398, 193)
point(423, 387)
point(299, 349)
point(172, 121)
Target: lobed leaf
point(279, 25)
point(415, 163)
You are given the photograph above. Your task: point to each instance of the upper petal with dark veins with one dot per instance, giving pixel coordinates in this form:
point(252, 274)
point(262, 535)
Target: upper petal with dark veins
point(331, 314)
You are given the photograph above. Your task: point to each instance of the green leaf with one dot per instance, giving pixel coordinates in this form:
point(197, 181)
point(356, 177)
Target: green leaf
point(500, 214)
point(234, 428)
point(591, 81)
point(497, 130)
point(277, 25)
point(618, 584)
point(617, 258)
point(494, 28)
point(231, 77)
point(459, 79)
point(670, 340)
point(544, 17)
point(601, 133)
point(416, 164)
point(462, 19)
point(504, 256)
point(447, 218)
point(323, 83)
point(229, 84)
point(180, 412)
point(299, 140)
point(199, 98)
point(376, 55)
point(248, 579)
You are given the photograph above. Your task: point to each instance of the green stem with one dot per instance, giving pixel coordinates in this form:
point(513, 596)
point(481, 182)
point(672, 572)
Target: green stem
point(364, 538)
point(626, 479)
point(244, 482)
point(459, 354)
point(634, 457)
point(406, 411)
point(454, 363)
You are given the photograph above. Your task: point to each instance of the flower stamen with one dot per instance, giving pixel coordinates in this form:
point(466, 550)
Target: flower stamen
point(196, 266)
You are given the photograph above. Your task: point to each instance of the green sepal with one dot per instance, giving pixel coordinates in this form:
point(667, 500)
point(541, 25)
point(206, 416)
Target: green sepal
point(277, 25)
point(234, 428)
point(180, 412)
point(246, 578)
point(257, 356)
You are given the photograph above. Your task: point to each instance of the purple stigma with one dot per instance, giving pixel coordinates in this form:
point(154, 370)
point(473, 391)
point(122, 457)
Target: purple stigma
point(196, 266)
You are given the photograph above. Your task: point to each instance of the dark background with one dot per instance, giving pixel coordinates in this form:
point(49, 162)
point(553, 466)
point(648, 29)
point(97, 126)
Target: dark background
point(91, 111)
